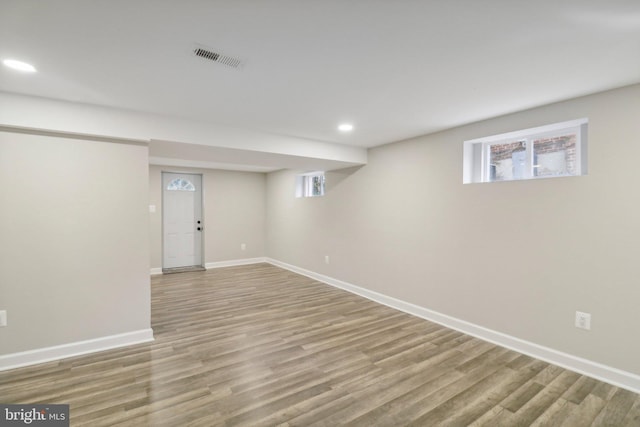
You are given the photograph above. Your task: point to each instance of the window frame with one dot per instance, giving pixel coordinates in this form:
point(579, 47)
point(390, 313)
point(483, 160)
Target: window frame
point(477, 152)
point(305, 184)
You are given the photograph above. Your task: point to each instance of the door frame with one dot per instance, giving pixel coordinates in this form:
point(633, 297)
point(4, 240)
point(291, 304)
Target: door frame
point(202, 208)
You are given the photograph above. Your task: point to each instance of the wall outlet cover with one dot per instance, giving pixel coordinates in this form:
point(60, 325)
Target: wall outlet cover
point(583, 320)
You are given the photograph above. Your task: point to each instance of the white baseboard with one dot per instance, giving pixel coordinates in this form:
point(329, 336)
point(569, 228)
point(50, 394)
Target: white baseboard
point(234, 262)
point(220, 264)
point(608, 374)
point(48, 354)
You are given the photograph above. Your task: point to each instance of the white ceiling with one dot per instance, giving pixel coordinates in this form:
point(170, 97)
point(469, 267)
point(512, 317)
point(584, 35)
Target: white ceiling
point(395, 69)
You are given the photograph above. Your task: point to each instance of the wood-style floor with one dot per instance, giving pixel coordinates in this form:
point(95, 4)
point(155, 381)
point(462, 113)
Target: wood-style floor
point(260, 346)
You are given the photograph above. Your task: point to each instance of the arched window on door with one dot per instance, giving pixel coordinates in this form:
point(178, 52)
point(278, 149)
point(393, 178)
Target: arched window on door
point(181, 184)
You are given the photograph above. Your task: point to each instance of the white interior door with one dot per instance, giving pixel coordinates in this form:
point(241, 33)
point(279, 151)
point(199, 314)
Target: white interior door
point(182, 226)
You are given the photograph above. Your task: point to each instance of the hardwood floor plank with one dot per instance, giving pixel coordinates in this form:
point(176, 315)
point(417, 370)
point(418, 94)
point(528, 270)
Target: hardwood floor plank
point(285, 415)
point(616, 409)
point(585, 413)
point(550, 373)
point(580, 389)
point(555, 414)
point(260, 346)
point(485, 402)
point(521, 396)
point(543, 400)
point(405, 407)
point(487, 419)
point(412, 406)
point(456, 404)
point(292, 398)
point(387, 388)
point(633, 416)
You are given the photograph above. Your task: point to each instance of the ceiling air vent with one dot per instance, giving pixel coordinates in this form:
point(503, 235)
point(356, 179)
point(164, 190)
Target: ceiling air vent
point(217, 57)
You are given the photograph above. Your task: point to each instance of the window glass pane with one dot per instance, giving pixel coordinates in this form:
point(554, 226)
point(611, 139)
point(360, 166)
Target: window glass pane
point(180, 184)
point(507, 161)
point(310, 185)
point(555, 156)
point(317, 188)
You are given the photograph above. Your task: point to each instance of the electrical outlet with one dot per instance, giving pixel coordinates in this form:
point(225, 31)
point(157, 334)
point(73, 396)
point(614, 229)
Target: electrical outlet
point(326, 259)
point(3, 317)
point(583, 320)
point(243, 246)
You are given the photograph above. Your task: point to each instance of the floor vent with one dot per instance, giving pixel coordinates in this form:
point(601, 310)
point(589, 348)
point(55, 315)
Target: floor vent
point(217, 57)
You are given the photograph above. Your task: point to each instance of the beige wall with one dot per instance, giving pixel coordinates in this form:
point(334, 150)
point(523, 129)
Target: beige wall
point(234, 213)
point(74, 247)
point(516, 257)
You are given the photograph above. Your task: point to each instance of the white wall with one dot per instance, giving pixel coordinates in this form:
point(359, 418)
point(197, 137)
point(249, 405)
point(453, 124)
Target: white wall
point(234, 213)
point(74, 243)
point(515, 257)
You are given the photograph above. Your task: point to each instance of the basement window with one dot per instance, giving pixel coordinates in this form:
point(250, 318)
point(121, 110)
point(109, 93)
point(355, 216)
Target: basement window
point(551, 151)
point(310, 184)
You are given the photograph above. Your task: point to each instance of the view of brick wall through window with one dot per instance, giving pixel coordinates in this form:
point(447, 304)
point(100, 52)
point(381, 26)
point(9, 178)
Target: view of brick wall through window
point(554, 156)
point(547, 151)
point(504, 151)
point(506, 161)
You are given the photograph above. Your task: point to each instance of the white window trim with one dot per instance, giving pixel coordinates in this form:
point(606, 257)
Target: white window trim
point(304, 184)
point(476, 151)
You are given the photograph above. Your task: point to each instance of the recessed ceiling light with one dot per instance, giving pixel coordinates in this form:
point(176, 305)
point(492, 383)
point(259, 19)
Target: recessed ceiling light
point(19, 65)
point(345, 127)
